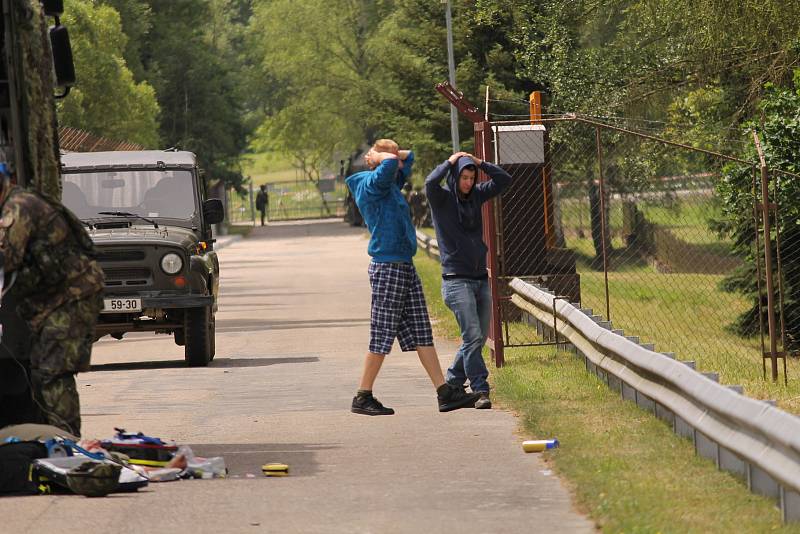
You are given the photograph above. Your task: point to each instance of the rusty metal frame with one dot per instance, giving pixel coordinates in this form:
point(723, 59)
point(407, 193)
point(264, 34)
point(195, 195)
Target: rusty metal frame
point(766, 208)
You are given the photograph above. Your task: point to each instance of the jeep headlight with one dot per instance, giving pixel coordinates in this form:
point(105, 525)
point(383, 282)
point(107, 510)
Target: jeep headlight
point(171, 263)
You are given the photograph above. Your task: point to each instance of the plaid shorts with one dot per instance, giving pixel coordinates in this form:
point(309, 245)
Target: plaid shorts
point(398, 308)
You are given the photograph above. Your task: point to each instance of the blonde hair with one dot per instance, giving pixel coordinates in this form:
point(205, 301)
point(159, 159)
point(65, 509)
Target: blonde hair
point(386, 145)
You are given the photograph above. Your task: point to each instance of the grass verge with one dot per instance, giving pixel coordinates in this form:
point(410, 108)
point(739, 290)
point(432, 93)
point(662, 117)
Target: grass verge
point(628, 471)
point(268, 167)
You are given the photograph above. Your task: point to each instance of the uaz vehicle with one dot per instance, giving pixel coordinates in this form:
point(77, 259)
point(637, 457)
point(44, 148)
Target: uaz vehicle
point(149, 218)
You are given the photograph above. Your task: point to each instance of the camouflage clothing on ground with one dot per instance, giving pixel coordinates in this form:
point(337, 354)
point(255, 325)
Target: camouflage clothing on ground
point(58, 285)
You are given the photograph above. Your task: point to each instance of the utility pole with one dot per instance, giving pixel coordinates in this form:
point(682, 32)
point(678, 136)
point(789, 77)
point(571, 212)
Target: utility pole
point(451, 66)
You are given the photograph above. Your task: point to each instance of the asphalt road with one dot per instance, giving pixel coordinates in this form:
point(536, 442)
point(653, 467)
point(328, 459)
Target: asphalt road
point(291, 333)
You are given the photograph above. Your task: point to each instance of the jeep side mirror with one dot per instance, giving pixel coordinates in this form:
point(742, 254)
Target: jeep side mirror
point(213, 211)
point(62, 58)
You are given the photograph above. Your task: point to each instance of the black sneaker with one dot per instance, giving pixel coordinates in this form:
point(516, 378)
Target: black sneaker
point(369, 405)
point(452, 398)
point(483, 402)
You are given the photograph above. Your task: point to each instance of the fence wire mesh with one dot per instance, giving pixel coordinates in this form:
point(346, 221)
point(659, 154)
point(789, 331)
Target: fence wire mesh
point(291, 200)
point(638, 232)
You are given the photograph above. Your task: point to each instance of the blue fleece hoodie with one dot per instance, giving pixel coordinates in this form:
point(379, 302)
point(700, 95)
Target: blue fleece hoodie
point(378, 197)
point(458, 221)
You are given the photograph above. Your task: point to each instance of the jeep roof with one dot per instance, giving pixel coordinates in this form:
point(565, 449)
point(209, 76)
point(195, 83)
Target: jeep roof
point(126, 159)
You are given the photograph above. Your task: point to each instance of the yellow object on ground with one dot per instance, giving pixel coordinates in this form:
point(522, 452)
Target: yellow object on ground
point(275, 470)
point(539, 445)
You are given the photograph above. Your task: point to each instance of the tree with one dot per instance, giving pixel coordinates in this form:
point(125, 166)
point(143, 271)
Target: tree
point(106, 100)
point(780, 134)
point(324, 85)
point(136, 20)
point(195, 70)
point(484, 54)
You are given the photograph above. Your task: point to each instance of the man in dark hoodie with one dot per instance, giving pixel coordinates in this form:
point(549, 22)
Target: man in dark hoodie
point(456, 210)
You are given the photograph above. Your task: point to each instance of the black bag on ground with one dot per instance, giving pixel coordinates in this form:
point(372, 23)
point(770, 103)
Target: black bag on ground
point(15, 467)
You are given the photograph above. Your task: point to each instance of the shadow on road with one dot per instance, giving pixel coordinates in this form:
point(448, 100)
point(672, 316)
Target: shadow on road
point(260, 362)
point(311, 228)
point(227, 293)
point(217, 363)
point(234, 325)
point(244, 459)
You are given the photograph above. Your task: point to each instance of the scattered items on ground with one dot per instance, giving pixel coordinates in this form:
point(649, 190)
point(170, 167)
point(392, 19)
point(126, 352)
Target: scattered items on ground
point(42, 459)
point(275, 470)
point(539, 445)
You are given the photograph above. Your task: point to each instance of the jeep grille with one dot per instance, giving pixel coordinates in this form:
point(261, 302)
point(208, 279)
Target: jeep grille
point(133, 276)
point(105, 256)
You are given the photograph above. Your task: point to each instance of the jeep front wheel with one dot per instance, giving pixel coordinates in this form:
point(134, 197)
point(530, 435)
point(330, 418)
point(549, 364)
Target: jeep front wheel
point(198, 331)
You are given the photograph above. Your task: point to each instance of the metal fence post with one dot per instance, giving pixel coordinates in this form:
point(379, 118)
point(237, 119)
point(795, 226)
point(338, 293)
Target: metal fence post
point(757, 255)
point(252, 204)
point(603, 221)
point(483, 150)
point(765, 207)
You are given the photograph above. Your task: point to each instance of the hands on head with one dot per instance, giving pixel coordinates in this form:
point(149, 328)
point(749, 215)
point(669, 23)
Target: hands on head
point(374, 157)
point(454, 158)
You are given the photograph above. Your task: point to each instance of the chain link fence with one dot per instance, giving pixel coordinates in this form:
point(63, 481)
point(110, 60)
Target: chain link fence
point(637, 230)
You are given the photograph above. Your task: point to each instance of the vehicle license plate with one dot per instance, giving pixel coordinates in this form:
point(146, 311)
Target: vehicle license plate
point(122, 305)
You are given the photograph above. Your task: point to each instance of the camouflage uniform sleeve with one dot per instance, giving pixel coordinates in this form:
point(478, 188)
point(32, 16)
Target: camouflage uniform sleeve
point(15, 231)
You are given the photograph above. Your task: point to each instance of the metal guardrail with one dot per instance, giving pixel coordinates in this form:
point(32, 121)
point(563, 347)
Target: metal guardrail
point(428, 244)
point(750, 438)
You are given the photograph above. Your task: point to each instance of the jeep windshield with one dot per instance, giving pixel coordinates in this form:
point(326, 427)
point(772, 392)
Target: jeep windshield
point(152, 193)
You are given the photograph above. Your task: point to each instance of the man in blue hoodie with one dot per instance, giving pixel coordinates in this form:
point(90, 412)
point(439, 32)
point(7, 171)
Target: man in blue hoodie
point(456, 210)
point(398, 303)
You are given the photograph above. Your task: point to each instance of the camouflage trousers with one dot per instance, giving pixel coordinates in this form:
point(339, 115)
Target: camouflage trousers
point(61, 348)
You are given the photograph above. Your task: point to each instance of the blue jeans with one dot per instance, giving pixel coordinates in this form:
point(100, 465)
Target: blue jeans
point(471, 302)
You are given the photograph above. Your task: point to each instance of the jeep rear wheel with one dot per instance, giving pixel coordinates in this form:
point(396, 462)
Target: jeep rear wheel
point(198, 334)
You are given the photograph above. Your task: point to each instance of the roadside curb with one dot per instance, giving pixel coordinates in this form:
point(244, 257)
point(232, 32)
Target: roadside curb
point(225, 240)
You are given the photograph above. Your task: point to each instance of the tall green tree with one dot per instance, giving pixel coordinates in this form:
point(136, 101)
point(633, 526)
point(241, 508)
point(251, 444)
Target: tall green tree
point(106, 99)
point(190, 51)
point(779, 128)
point(324, 84)
point(136, 20)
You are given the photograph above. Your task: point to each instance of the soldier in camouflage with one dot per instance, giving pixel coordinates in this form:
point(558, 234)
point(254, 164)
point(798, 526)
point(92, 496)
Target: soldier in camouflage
point(49, 257)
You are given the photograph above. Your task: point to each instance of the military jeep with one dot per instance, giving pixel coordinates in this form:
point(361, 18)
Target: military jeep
point(150, 220)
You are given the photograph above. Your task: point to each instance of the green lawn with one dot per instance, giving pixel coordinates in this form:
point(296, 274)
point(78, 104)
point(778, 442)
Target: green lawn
point(687, 217)
point(269, 167)
point(688, 314)
point(627, 469)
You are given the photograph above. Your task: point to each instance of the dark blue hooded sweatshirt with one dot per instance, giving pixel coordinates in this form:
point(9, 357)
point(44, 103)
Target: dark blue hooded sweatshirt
point(458, 221)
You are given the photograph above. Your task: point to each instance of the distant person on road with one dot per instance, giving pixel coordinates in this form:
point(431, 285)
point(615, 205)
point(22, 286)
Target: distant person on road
point(456, 210)
point(262, 202)
point(398, 303)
